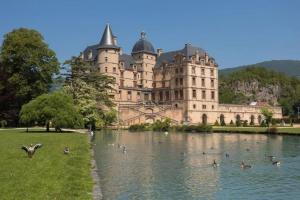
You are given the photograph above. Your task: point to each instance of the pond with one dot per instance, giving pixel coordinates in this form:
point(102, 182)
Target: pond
point(173, 166)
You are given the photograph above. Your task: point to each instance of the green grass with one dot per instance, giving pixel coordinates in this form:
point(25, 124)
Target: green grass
point(49, 174)
point(281, 130)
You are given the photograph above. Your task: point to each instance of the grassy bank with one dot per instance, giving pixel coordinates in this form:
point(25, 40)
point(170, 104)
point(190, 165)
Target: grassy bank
point(280, 130)
point(49, 174)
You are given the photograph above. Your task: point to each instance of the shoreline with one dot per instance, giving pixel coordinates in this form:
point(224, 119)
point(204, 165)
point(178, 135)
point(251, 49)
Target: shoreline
point(97, 192)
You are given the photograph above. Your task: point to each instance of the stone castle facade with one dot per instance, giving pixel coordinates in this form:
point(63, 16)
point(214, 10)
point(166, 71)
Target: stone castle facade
point(181, 85)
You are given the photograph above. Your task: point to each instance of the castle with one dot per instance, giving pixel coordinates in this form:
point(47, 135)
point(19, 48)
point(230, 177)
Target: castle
point(181, 85)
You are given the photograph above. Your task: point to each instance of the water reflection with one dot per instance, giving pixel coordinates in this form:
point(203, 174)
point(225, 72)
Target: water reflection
point(157, 166)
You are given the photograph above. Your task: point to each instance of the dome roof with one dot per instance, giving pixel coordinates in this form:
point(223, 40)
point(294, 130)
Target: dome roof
point(143, 45)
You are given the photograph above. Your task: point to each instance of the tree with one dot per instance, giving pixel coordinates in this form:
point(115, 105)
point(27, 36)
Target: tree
point(91, 92)
point(26, 70)
point(267, 114)
point(56, 108)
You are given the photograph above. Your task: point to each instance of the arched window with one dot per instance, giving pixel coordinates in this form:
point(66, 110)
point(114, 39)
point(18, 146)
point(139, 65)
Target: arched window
point(252, 120)
point(259, 119)
point(222, 120)
point(238, 120)
point(204, 119)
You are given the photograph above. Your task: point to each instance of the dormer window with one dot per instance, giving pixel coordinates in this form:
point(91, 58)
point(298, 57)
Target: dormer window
point(90, 55)
point(105, 59)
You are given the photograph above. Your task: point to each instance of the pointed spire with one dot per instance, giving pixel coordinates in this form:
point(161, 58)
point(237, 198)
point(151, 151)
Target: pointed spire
point(107, 39)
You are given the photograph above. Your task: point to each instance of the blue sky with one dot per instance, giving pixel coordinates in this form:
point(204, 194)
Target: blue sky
point(234, 32)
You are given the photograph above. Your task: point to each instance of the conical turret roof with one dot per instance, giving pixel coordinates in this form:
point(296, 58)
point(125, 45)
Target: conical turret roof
point(107, 40)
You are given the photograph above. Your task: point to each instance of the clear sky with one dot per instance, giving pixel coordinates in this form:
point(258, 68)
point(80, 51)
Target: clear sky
point(234, 32)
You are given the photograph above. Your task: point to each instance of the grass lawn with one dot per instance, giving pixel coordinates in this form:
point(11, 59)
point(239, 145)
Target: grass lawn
point(281, 130)
point(49, 174)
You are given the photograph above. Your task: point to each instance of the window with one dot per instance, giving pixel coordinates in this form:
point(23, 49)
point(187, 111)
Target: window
point(154, 85)
point(153, 96)
point(212, 83)
point(122, 74)
point(181, 94)
point(163, 84)
point(212, 107)
point(203, 82)
point(138, 95)
point(114, 70)
point(176, 81)
point(202, 71)
point(176, 71)
point(176, 94)
point(181, 81)
point(121, 83)
point(134, 76)
point(105, 59)
point(129, 95)
point(181, 70)
point(194, 106)
point(212, 95)
point(211, 72)
point(161, 96)
point(194, 94)
point(167, 95)
point(120, 94)
point(194, 81)
point(204, 107)
point(193, 70)
point(105, 69)
point(203, 94)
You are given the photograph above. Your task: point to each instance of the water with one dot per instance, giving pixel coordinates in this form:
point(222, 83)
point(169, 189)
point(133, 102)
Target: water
point(159, 166)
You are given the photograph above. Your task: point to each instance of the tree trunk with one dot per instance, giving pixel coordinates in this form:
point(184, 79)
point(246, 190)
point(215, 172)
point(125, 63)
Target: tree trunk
point(48, 127)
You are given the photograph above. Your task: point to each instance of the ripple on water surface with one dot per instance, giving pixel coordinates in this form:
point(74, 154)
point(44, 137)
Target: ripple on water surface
point(157, 166)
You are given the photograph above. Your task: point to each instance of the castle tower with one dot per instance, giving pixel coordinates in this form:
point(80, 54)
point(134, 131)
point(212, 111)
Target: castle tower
point(145, 57)
point(108, 55)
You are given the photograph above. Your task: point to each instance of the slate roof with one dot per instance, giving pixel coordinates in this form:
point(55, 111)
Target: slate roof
point(128, 60)
point(143, 45)
point(187, 51)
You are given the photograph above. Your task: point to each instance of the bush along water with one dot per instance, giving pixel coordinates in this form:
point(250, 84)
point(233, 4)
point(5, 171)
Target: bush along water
point(165, 125)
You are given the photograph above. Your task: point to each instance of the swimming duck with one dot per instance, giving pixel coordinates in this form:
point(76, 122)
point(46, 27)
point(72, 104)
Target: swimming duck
point(124, 149)
point(227, 155)
point(166, 133)
point(244, 166)
point(215, 164)
point(31, 149)
point(276, 162)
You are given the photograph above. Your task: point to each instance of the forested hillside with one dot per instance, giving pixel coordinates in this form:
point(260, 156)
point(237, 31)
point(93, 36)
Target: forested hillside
point(260, 84)
point(289, 67)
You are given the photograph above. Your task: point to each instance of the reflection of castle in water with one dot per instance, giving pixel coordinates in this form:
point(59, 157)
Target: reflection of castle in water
point(176, 159)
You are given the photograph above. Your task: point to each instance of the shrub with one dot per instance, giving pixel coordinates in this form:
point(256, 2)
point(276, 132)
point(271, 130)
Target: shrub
point(3, 123)
point(216, 123)
point(238, 123)
point(251, 123)
point(245, 123)
point(272, 130)
point(139, 127)
point(263, 124)
point(231, 123)
point(223, 123)
point(161, 125)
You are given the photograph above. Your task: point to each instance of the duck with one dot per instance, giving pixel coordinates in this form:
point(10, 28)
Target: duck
point(227, 155)
point(203, 153)
point(166, 133)
point(66, 150)
point(244, 166)
point(247, 149)
point(31, 149)
point(276, 162)
point(215, 164)
point(124, 149)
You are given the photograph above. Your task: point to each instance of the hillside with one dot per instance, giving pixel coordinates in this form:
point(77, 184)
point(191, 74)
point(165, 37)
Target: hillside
point(260, 84)
point(289, 67)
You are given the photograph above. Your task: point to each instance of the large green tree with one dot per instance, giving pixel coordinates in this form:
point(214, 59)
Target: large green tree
point(91, 91)
point(56, 108)
point(26, 70)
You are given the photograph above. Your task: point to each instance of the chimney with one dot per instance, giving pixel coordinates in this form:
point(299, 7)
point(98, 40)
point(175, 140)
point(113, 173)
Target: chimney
point(197, 55)
point(206, 58)
point(159, 52)
point(115, 40)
